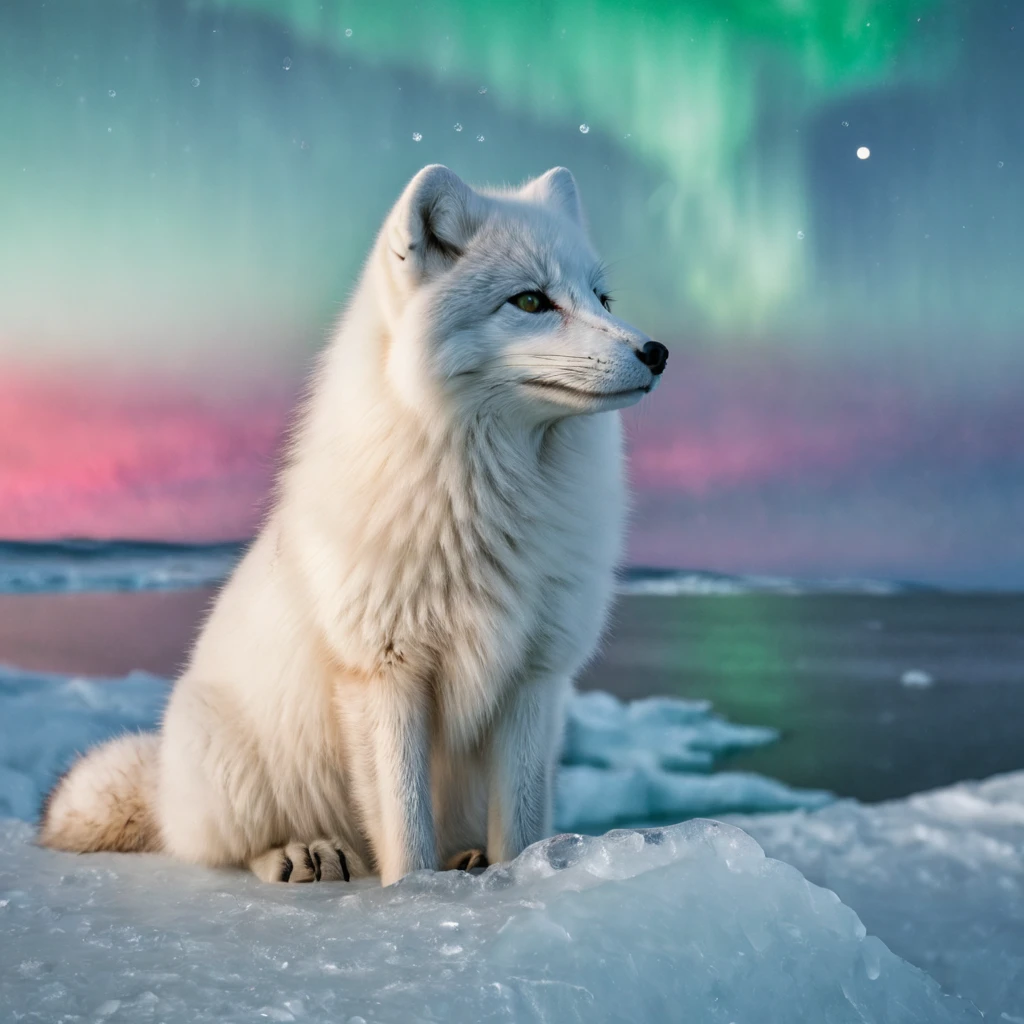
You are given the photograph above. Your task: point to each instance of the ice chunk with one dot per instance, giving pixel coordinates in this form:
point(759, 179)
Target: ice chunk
point(688, 923)
point(634, 763)
point(623, 763)
point(939, 877)
point(657, 732)
point(47, 718)
point(586, 798)
point(916, 677)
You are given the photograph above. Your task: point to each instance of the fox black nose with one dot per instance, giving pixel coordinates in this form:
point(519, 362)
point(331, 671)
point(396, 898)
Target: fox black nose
point(654, 356)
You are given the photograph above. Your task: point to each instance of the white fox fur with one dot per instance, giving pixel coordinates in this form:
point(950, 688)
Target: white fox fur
point(381, 683)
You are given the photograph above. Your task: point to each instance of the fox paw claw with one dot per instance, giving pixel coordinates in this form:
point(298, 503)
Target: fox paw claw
point(322, 860)
point(467, 860)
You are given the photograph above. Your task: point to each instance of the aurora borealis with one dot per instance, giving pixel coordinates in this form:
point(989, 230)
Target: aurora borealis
point(187, 190)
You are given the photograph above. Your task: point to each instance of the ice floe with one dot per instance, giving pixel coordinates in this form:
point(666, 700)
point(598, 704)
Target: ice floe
point(686, 923)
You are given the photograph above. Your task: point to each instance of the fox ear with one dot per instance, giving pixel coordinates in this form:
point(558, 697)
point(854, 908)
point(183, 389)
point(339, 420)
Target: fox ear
point(556, 188)
point(434, 220)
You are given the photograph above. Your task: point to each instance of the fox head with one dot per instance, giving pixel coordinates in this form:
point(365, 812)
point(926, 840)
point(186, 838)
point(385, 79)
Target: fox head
point(497, 301)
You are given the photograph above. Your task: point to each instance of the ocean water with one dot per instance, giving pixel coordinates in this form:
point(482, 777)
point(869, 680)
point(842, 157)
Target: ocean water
point(71, 566)
point(876, 689)
point(839, 676)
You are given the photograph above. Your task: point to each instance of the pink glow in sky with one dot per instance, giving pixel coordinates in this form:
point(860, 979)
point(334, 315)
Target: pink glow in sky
point(738, 463)
point(84, 458)
point(740, 422)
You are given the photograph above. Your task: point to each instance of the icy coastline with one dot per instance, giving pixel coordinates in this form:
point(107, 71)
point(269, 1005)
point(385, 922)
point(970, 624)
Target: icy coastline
point(685, 923)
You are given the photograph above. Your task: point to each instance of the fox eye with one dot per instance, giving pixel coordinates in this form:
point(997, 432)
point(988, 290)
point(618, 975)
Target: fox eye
point(531, 302)
point(606, 300)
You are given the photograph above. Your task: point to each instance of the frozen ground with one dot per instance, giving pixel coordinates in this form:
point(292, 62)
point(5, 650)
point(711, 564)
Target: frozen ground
point(939, 876)
point(688, 923)
point(631, 763)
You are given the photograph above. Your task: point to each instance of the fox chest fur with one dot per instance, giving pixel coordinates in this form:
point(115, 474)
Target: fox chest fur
point(484, 561)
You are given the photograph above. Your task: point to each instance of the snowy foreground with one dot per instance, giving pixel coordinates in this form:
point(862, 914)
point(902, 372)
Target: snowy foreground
point(686, 923)
point(939, 877)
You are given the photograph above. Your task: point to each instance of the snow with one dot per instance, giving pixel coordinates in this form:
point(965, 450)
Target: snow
point(938, 876)
point(623, 763)
point(687, 923)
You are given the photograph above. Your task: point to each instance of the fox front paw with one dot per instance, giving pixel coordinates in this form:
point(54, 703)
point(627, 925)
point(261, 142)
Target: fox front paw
point(319, 861)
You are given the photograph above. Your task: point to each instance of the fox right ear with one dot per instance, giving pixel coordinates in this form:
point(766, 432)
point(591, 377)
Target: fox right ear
point(434, 220)
point(556, 188)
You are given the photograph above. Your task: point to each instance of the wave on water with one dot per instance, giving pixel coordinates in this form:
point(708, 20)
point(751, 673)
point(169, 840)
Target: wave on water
point(73, 566)
point(653, 582)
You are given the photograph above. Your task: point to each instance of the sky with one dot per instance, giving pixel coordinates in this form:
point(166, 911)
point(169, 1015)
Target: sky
point(188, 190)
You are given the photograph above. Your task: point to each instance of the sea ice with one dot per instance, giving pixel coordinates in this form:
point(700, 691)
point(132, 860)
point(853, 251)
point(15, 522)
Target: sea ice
point(938, 876)
point(687, 923)
point(623, 763)
point(916, 677)
point(684, 923)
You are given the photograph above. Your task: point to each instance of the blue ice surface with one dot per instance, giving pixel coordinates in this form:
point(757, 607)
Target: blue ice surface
point(644, 761)
point(691, 922)
point(938, 876)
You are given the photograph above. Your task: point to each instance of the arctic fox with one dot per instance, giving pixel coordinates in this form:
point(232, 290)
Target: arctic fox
point(380, 686)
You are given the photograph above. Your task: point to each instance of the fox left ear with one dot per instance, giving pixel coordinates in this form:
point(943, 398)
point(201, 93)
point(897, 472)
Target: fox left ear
point(556, 188)
point(434, 220)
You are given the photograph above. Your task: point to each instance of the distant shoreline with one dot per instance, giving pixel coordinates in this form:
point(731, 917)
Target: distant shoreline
point(78, 565)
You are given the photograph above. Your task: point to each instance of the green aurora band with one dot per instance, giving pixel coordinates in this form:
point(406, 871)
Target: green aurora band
point(184, 224)
point(678, 83)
